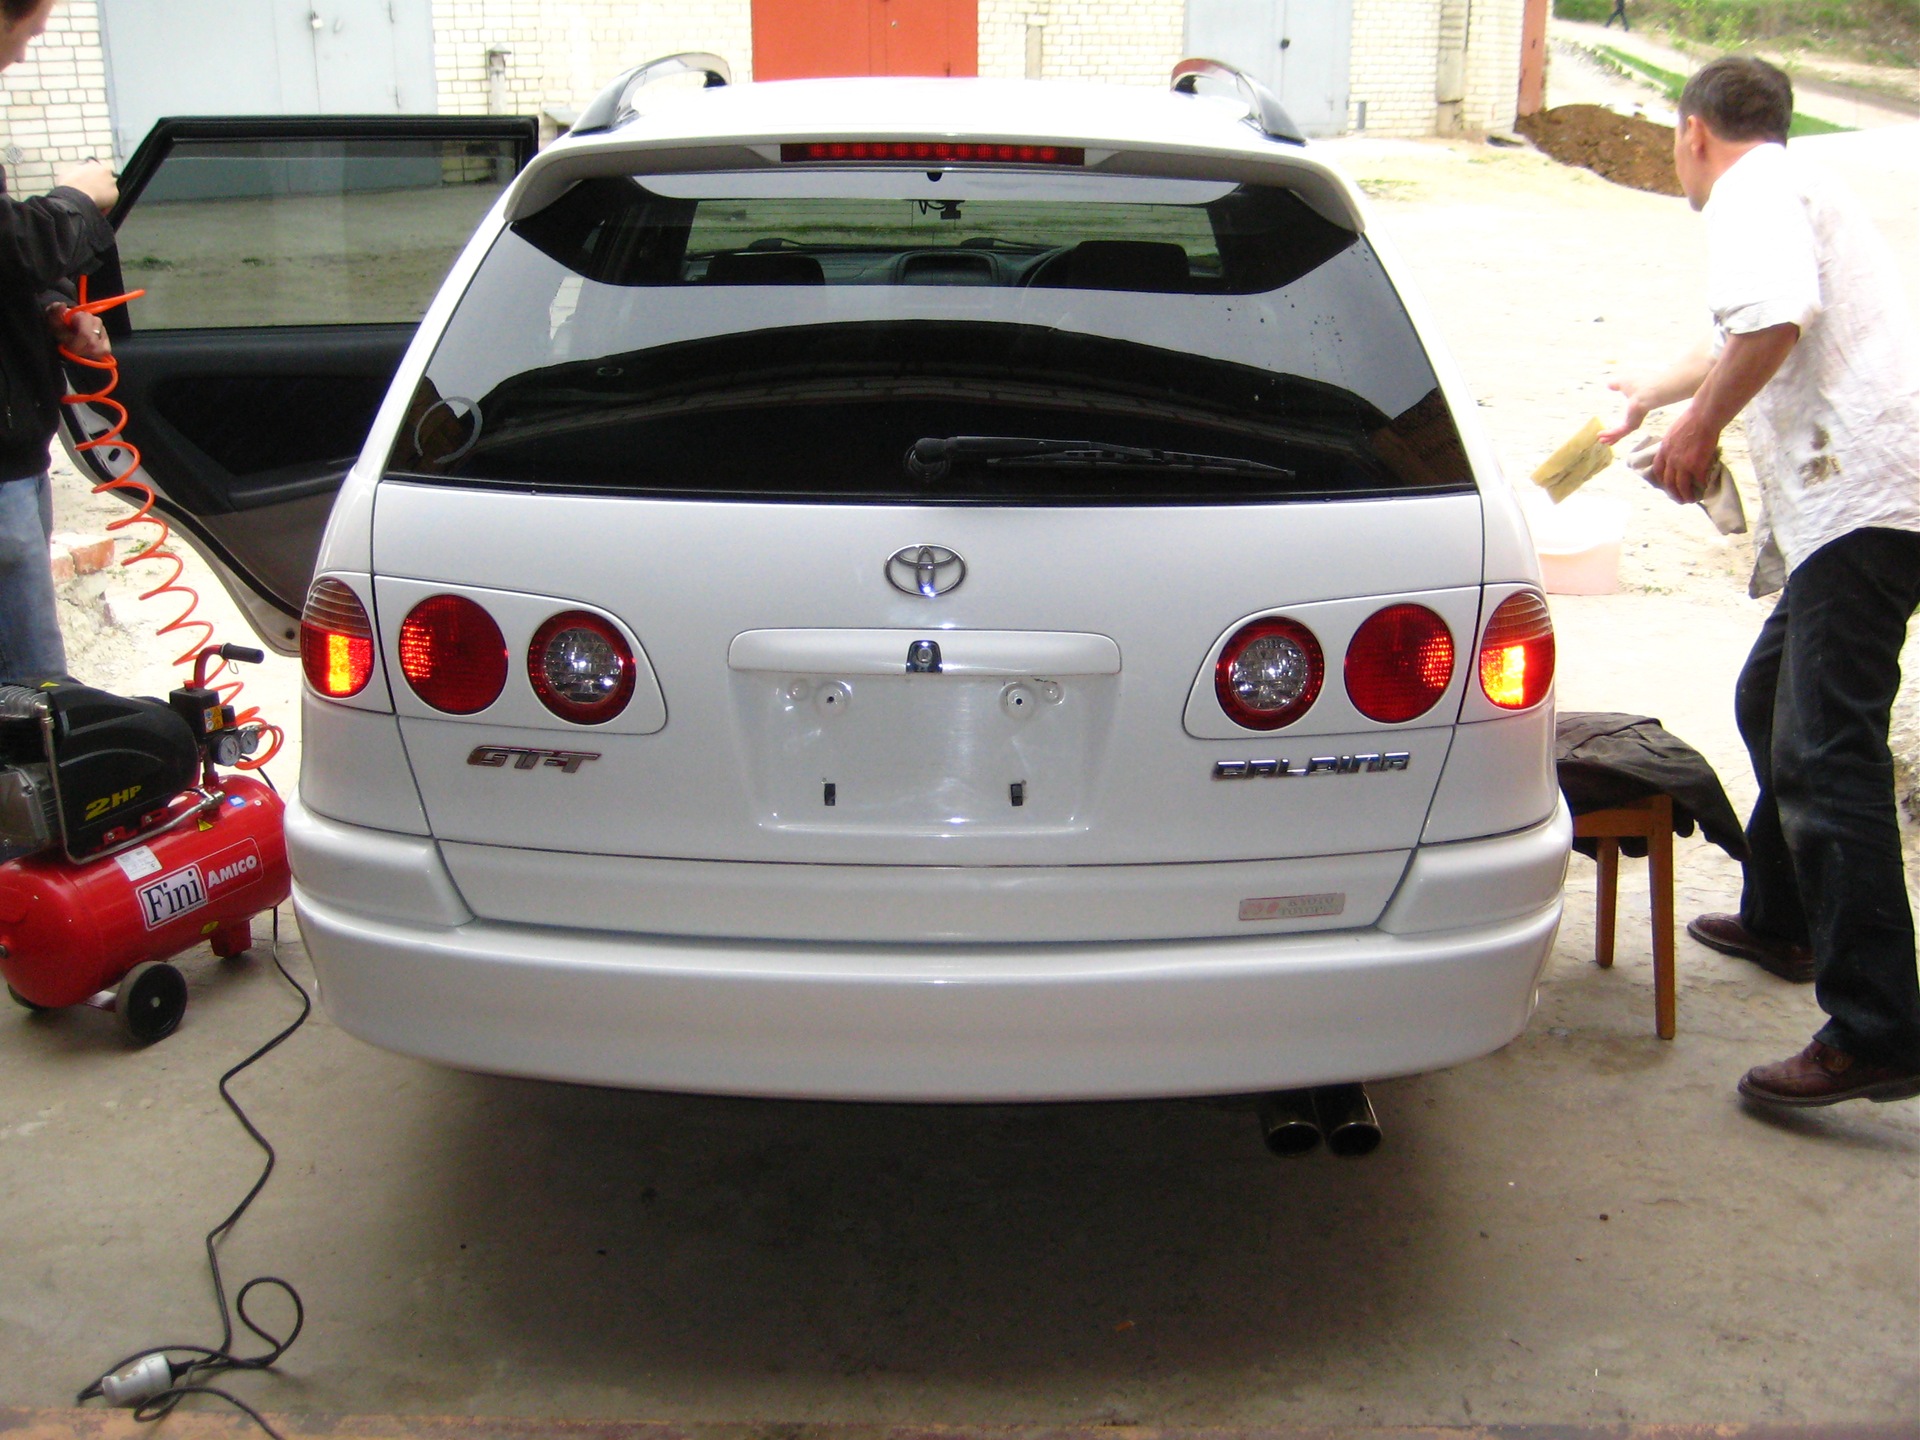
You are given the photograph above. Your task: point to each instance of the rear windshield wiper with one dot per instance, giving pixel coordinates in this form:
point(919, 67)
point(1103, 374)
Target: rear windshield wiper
point(931, 457)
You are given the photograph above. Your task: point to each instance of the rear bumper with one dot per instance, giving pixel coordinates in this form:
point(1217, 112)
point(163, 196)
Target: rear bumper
point(930, 1022)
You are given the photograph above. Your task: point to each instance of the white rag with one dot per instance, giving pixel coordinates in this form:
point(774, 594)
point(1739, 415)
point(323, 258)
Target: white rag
point(1722, 498)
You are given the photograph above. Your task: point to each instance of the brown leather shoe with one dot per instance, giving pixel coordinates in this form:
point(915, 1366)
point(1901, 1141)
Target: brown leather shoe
point(1822, 1075)
point(1726, 934)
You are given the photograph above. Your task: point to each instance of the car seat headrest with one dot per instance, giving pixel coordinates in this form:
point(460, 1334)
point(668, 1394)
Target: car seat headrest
point(1118, 265)
point(747, 267)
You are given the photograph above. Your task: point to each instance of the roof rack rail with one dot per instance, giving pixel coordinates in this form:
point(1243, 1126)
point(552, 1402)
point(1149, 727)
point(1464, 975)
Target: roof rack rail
point(1264, 111)
point(613, 106)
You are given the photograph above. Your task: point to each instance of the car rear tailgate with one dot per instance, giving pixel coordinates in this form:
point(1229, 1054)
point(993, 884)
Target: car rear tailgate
point(923, 766)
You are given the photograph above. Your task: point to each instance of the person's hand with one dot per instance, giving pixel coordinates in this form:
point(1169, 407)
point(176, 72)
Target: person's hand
point(80, 332)
point(95, 180)
point(1638, 406)
point(1684, 463)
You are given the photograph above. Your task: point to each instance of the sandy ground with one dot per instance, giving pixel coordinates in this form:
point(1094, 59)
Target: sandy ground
point(1585, 1228)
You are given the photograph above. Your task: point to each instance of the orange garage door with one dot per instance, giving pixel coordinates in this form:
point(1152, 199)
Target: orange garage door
point(793, 39)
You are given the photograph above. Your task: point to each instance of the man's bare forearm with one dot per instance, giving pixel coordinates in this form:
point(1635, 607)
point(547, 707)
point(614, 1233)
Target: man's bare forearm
point(1680, 381)
point(1745, 366)
point(1684, 463)
point(1647, 393)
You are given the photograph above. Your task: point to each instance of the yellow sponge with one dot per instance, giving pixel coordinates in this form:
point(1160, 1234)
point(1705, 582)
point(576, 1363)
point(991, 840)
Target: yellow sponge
point(1574, 463)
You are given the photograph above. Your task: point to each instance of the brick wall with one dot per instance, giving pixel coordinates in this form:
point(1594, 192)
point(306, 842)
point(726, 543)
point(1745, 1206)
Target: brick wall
point(1428, 67)
point(1396, 66)
point(1493, 64)
point(56, 101)
point(561, 53)
point(1394, 69)
point(1129, 42)
point(564, 50)
point(558, 54)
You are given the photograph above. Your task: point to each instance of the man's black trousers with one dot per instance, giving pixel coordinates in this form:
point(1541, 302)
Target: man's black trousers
point(1814, 704)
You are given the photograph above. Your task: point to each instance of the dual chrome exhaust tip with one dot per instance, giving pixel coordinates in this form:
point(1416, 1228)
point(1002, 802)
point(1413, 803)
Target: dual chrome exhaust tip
point(1294, 1122)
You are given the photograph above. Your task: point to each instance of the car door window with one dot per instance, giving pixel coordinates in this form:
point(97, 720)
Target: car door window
point(338, 231)
point(286, 261)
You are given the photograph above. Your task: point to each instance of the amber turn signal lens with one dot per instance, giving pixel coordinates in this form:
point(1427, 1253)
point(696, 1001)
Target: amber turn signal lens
point(1516, 652)
point(336, 640)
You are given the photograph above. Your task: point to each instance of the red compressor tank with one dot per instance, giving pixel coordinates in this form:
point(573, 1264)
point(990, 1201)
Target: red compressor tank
point(68, 931)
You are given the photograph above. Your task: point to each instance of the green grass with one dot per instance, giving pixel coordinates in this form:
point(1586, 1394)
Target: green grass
point(1885, 31)
point(1671, 84)
point(1811, 125)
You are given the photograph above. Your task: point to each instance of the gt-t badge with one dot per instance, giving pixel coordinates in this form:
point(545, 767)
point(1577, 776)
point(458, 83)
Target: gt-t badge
point(567, 762)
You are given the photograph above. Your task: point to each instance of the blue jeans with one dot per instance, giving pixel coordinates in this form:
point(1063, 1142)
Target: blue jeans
point(30, 644)
point(1814, 703)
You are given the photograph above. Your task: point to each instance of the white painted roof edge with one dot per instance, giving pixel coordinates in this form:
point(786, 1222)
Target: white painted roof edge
point(1126, 129)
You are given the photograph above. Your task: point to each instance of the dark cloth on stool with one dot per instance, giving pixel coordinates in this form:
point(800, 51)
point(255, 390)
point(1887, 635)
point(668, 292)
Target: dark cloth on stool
point(1607, 759)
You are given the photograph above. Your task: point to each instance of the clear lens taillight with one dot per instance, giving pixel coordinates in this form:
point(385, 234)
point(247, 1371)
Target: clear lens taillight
point(336, 640)
point(1269, 674)
point(1516, 652)
point(453, 655)
point(1399, 664)
point(581, 668)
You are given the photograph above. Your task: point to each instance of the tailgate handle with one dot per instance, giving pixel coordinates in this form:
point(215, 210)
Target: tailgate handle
point(956, 652)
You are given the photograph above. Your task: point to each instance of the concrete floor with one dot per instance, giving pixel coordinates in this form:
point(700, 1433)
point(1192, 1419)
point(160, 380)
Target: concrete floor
point(18, 1423)
point(1585, 1229)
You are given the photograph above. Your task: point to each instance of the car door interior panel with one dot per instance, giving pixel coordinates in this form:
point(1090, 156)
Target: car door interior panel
point(282, 265)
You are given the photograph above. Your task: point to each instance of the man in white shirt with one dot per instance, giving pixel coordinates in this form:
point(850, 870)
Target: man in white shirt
point(1815, 343)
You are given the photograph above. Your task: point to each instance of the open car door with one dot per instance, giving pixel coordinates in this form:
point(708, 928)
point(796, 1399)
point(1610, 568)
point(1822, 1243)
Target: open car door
point(286, 262)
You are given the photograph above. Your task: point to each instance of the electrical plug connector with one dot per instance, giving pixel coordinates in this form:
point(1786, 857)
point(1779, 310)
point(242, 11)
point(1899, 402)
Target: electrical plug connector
point(138, 1381)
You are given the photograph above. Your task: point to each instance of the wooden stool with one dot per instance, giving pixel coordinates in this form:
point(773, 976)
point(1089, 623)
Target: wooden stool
point(1650, 820)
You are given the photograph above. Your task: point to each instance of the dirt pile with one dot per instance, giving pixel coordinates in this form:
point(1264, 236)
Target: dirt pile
point(1626, 149)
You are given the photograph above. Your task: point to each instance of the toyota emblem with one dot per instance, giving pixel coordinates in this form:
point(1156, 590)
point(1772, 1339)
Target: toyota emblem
point(928, 570)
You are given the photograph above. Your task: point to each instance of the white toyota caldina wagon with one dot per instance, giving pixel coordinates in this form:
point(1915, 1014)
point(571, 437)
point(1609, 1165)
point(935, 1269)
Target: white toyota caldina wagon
point(872, 589)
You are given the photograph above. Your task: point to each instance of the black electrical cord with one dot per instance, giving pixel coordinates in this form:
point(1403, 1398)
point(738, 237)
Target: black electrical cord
point(187, 1376)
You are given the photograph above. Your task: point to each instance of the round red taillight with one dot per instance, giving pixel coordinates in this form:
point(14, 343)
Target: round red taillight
point(1269, 674)
point(1516, 653)
point(453, 655)
point(336, 640)
point(1399, 664)
point(581, 668)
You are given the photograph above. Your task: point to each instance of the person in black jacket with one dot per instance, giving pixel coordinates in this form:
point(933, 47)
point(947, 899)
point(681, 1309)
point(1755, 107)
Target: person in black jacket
point(44, 242)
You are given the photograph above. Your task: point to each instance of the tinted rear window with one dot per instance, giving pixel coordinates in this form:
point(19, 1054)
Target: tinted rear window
point(819, 334)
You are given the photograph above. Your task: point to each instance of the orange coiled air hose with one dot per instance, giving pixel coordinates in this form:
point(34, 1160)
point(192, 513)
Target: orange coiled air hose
point(158, 551)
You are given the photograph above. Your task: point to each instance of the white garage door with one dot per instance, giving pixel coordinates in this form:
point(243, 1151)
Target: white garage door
point(1299, 49)
point(264, 57)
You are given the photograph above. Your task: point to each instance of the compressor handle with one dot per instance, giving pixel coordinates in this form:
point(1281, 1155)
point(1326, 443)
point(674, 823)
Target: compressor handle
point(244, 653)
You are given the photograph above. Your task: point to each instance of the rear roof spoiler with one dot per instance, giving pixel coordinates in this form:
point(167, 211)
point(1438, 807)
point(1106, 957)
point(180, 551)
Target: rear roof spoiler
point(1264, 111)
point(613, 106)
